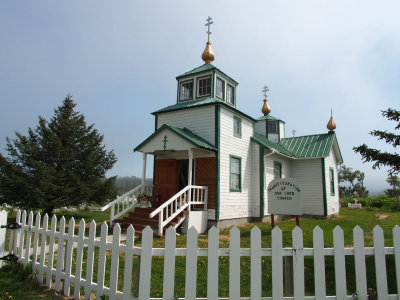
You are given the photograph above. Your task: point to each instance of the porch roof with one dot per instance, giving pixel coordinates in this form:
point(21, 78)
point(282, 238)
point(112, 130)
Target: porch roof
point(184, 133)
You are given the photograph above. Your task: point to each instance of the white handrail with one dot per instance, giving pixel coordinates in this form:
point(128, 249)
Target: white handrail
point(178, 203)
point(127, 200)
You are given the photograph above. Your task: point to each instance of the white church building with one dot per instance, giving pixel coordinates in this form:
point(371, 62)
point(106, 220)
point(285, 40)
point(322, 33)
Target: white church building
point(202, 139)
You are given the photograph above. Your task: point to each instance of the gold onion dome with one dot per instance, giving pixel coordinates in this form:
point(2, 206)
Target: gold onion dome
point(208, 54)
point(266, 109)
point(331, 124)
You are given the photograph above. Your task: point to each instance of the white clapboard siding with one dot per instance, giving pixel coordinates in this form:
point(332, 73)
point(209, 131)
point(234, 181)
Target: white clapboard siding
point(236, 204)
point(200, 121)
point(332, 199)
point(63, 245)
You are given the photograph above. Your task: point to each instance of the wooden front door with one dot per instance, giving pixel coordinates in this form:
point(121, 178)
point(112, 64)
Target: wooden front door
point(165, 179)
point(206, 174)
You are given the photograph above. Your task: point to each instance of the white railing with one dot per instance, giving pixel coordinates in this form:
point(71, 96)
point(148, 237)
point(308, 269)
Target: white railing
point(126, 202)
point(169, 210)
point(36, 243)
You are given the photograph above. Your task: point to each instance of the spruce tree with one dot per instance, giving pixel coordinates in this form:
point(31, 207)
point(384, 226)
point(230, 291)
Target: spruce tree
point(391, 160)
point(62, 162)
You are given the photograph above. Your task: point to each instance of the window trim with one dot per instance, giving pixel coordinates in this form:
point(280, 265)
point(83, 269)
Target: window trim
point(238, 135)
point(223, 88)
point(332, 181)
point(233, 94)
point(198, 86)
point(278, 163)
point(180, 90)
point(230, 173)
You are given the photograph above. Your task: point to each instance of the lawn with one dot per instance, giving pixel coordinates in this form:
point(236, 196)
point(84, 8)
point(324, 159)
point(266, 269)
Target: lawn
point(367, 219)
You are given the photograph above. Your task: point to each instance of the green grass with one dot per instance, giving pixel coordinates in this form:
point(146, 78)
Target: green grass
point(17, 282)
point(367, 219)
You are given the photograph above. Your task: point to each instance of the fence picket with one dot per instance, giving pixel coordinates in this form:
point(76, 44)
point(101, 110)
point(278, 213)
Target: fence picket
point(130, 234)
point(277, 264)
point(115, 260)
point(102, 260)
point(380, 263)
point(234, 264)
point(340, 267)
point(28, 238)
point(79, 254)
point(255, 281)
point(35, 243)
point(191, 264)
point(90, 257)
point(396, 244)
point(68, 257)
point(43, 246)
point(22, 237)
point(169, 264)
point(60, 254)
point(359, 262)
point(213, 262)
point(52, 235)
point(145, 263)
point(319, 263)
point(298, 263)
point(17, 233)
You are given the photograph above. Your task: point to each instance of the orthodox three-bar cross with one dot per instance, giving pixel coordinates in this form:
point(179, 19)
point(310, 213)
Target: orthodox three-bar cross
point(209, 22)
point(165, 142)
point(265, 90)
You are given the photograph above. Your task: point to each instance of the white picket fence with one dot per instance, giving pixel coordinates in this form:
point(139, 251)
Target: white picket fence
point(55, 269)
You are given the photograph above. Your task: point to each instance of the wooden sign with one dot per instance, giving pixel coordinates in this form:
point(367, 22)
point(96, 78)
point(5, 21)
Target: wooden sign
point(284, 197)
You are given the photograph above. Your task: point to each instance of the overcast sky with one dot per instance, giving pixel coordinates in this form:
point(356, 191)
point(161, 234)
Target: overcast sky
point(119, 60)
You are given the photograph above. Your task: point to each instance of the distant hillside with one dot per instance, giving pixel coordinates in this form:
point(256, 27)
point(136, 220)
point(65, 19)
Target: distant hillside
point(126, 183)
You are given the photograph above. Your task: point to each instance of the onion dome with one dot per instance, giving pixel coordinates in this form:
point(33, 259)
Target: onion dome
point(331, 124)
point(266, 109)
point(208, 54)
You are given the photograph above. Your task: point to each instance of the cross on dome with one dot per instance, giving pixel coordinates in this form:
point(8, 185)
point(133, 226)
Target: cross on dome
point(265, 90)
point(209, 22)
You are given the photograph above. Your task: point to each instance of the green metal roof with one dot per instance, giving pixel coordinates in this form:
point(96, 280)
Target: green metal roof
point(310, 146)
point(205, 68)
point(183, 133)
point(197, 103)
point(318, 145)
point(262, 140)
point(268, 117)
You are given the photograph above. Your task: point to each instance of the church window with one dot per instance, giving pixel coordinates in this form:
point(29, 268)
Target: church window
point(204, 86)
point(237, 127)
point(220, 88)
point(272, 127)
point(277, 169)
point(186, 90)
point(230, 96)
point(332, 181)
point(235, 178)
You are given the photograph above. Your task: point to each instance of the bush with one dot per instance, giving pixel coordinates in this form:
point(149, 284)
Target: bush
point(382, 201)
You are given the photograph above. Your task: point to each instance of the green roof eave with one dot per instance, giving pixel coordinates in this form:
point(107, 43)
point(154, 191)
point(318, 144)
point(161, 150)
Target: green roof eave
point(263, 141)
point(205, 68)
point(268, 117)
point(198, 103)
point(184, 133)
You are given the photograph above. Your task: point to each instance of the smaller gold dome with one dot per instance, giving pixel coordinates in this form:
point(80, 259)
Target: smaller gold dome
point(208, 54)
point(331, 124)
point(266, 109)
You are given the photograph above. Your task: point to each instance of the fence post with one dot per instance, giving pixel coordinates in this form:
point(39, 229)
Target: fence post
point(3, 221)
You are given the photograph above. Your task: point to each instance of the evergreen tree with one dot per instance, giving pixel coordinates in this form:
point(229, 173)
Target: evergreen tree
point(391, 160)
point(60, 163)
